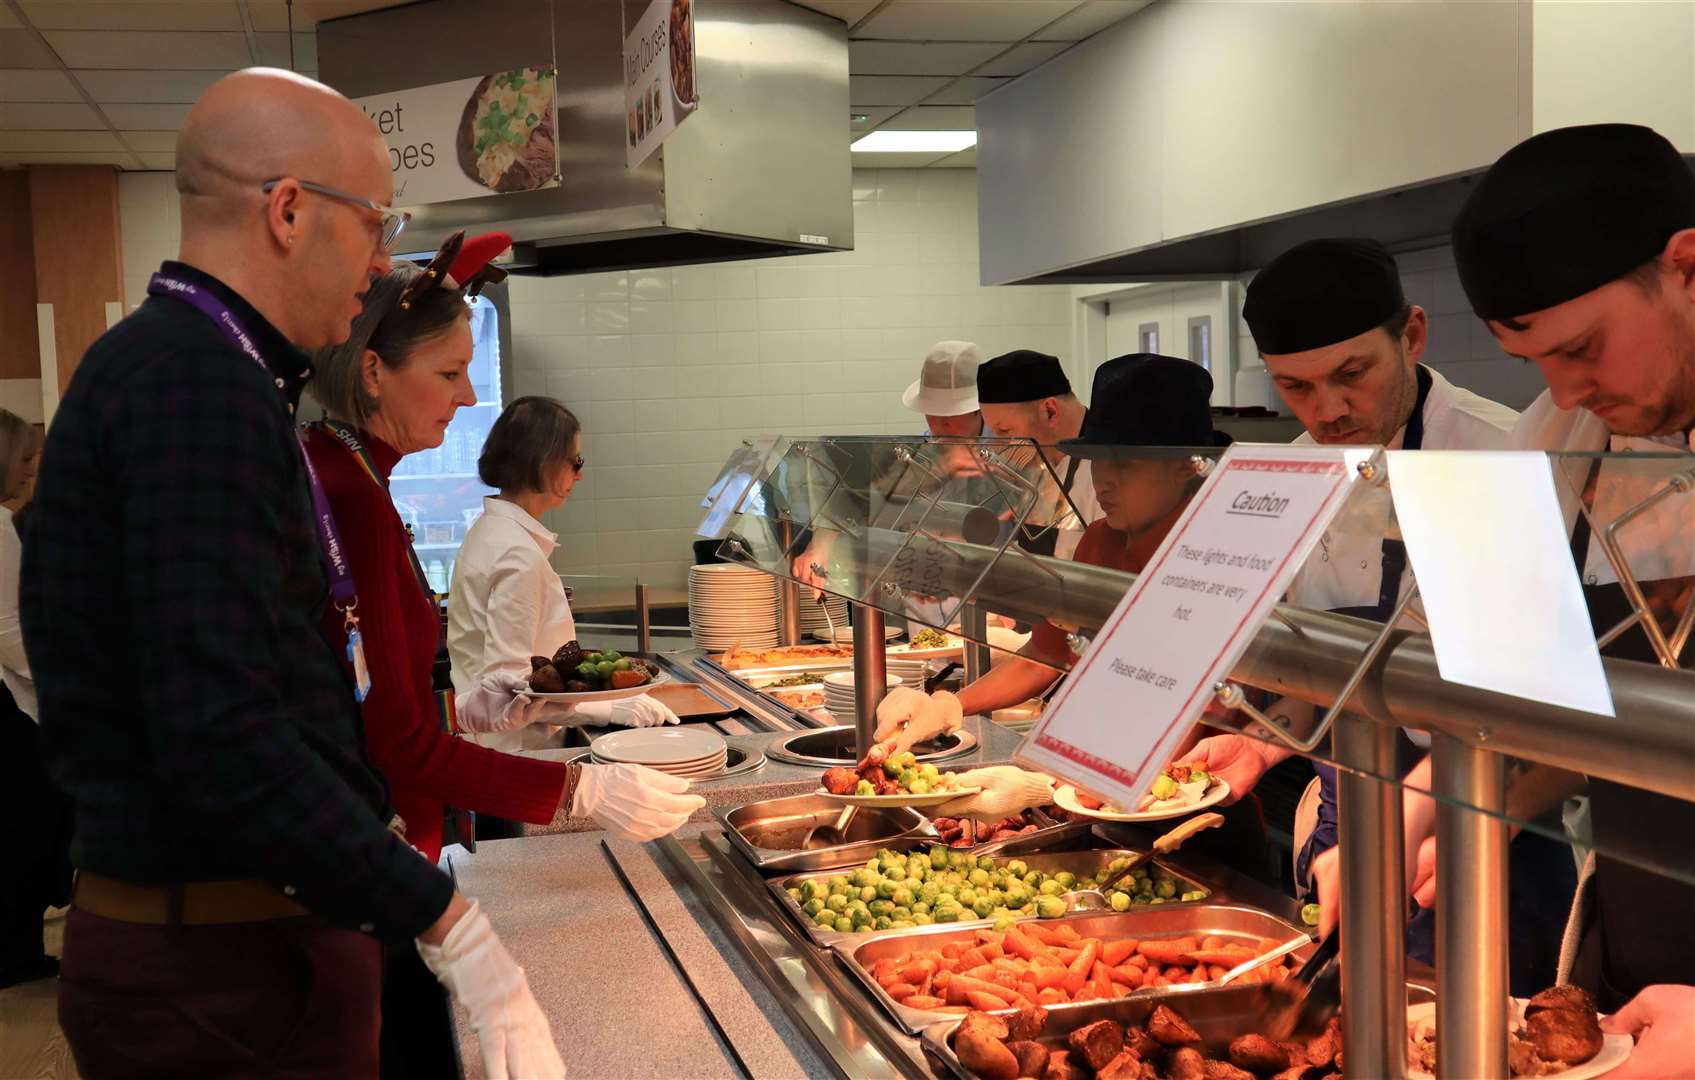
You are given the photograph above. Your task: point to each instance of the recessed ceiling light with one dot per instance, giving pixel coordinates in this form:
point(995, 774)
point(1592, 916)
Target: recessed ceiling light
point(915, 142)
point(860, 118)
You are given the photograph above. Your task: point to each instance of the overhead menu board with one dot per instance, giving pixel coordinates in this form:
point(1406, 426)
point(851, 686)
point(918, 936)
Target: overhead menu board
point(659, 76)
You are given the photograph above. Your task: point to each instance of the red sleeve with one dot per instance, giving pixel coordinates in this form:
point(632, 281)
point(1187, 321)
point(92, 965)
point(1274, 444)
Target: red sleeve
point(403, 733)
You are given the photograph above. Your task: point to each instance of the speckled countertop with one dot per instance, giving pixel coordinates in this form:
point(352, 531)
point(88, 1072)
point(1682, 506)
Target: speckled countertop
point(633, 988)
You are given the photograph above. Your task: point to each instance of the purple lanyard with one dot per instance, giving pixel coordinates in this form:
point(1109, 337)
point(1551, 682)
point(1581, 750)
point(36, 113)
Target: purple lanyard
point(329, 540)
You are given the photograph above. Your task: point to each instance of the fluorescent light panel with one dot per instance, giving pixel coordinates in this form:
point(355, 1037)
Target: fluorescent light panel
point(915, 142)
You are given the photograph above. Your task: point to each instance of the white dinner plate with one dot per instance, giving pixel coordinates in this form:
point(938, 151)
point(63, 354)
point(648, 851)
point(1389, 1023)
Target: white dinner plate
point(650, 746)
point(946, 652)
point(1614, 1048)
point(599, 695)
point(1066, 797)
point(934, 798)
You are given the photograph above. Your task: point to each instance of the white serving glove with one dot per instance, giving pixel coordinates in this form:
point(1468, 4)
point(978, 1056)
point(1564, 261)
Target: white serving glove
point(641, 711)
point(633, 802)
point(907, 717)
point(512, 1032)
point(496, 704)
point(1007, 790)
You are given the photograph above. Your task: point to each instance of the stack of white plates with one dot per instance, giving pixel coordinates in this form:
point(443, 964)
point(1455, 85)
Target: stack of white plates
point(688, 752)
point(838, 693)
point(910, 672)
point(812, 620)
point(731, 604)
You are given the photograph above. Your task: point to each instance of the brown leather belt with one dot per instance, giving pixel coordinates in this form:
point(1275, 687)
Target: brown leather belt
point(194, 903)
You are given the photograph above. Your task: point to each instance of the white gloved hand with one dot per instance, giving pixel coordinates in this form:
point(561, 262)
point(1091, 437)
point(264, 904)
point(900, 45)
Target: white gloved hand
point(1007, 789)
point(633, 802)
point(497, 704)
point(906, 717)
point(643, 711)
point(512, 1032)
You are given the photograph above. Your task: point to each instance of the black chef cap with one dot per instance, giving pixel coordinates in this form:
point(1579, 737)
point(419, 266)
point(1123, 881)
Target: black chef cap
point(1149, 403)
point(1568, 211)
point(1321, 292)
point(1019, 376)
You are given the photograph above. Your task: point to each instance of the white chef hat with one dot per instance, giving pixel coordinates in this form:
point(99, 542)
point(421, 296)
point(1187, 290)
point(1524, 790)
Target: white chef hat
point(947, 385)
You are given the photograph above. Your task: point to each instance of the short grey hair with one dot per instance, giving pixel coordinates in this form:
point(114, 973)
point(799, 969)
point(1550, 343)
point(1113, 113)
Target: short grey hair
point(387, 330)
point(532, 437)
point(18, 440)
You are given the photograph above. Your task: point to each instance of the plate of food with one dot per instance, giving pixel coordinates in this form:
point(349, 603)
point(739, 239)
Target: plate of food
point(928, 644)
point(738, 658)
point(575, 675)
point(894, 780)
point(1180, 790)
point(505, 140)
point(1556, 1033)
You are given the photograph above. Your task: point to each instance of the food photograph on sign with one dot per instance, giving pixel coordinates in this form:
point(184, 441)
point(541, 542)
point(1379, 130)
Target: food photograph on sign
point(506, 135)
point(682, 54)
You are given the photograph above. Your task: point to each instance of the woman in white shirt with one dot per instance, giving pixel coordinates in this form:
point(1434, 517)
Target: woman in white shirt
point(506, 603)
point(20, 449)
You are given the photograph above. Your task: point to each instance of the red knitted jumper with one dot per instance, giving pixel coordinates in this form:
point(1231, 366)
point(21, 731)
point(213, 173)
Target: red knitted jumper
point(424, 765)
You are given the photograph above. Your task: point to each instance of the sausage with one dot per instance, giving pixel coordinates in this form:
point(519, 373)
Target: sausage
point(1032, 1057)
point(1137, 1038)
point(1126, 1066)
point(1026, 1024)
point(1185, 1063)
point(1169, 1029)
point(1256, 1053)
point(1223, 1070)
point(1097, 1043)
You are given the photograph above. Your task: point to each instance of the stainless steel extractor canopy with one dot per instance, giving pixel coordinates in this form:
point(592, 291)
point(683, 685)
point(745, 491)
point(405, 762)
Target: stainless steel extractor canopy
point(760, 169)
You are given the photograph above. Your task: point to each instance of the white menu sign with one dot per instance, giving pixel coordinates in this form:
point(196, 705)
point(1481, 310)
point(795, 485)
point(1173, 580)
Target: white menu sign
point(1149, 675)
point(659, 76)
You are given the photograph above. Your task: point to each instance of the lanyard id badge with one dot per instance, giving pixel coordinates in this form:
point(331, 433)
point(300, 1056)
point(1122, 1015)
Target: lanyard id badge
point(356, 657)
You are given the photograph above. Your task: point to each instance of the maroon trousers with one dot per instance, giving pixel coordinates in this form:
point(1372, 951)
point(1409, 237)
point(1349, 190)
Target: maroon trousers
point(284, 998)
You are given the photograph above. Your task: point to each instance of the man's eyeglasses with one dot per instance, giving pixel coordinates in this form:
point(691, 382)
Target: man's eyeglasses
point(393, 221)
point(577, 464)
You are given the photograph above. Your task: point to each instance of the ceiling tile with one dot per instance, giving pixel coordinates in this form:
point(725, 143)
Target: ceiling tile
point(65, 157)
point(15, 142)
point(86, 15)
point(873, 117)
point(895, 161)
point(167, 87)
point(273, 14)
point(965, 159)
point(1024, 57)
point(8, 21)
point(965, 91)
point(146, 117)
point(37, 85)
point(27, 116)
point(20, 49)
point(157, 142)
point(964, 20)
point(144, 49)
point(917, 58)
point(934, 118)
point(849, 11)
point(870, 90)
point(1092, 19)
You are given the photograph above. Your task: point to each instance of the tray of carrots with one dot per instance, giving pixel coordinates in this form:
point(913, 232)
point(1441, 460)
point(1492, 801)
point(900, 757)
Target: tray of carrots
point(923, 976)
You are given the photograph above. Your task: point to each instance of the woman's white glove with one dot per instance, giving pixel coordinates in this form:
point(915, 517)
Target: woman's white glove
point(641, 711)
point(512, 1032)
point(1007, 790)
point(496, 704)
point(633, 802)
point(907, 717)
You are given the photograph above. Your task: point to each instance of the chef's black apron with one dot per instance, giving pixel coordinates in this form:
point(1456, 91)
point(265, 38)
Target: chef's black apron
point(1040, 540)
point(1639, 928)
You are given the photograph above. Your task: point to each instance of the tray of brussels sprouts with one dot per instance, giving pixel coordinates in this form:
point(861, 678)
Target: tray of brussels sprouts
point(896, 890)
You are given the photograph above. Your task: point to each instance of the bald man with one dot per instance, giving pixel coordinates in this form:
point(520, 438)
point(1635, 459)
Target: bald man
point(239, 866)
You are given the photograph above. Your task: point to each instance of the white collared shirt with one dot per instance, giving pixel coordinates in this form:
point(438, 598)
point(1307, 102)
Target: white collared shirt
point(1346, 570)
point(506, 605)
point(14, 667)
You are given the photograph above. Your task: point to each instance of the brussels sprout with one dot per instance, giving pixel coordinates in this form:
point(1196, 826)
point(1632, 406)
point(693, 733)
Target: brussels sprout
point(1164, 787)
point(867, 893)
point(1200, 894)
point(844, 926)
point(946, 915)
point(920, 786)
point(613, 655)
point(794, 894)
point(1028, 909)
point(985, 863)
point(960, 861)
point(861, 918)
point(920, 907)
point(1066, 879)
point(826, 919)
point(808, 889)
point(891, 770)
point(895, 873)
point(902, 897)
point(907, 759)
point(882, 922)
point(864, 787)
point(908, 777)
point(929, 772)
point(967, 896)
point(1050, 887)
point(901, 924)
point(1118, 865)
point(939, 858)
point(881, 907)
point(588, 672)
point(1310, 913)
point(978, 877)
point(983, 907)
point(1157, 900)
point(1120, 902)
point(620, 665)
point(837, 902)
point(838, 884)
point(922, 918)
point(1004, 923)
point(1166, 889)
point(604, 669)
point(1017, 868)
point(812, 907)
point(1050, 907)
point(886, 888)
point(900, 913)
point(1033, 879)
point(997, 896)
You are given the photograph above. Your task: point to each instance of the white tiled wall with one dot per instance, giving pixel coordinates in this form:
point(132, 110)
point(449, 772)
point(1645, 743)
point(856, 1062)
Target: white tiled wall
point(1460, 347)
point(669, 369)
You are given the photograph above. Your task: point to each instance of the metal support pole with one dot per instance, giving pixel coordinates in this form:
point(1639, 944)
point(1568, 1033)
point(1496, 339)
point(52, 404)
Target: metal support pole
point(974, 626)
point(1373, 898)
point(870, 677)
point(1471, 910)
point(644, 621)
point(788, 593)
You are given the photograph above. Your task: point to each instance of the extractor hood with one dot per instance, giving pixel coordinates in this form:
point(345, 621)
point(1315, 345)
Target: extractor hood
point(760, 169)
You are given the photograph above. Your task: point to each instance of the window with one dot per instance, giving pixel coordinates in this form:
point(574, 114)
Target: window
point(1200, 340)
point(437, 491)
point(1148, 335)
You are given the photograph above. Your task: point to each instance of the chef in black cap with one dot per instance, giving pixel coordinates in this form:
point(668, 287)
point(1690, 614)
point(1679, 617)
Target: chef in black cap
point(1578, 250)
point(1024, 394)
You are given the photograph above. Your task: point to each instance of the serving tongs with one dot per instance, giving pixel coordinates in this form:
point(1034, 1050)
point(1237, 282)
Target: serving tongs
point(1095, 899)
point(1306, 1000)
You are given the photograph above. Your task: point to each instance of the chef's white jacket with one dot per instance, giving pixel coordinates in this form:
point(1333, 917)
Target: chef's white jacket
point(1346, 569)
point(506, 605)
point(14, 666)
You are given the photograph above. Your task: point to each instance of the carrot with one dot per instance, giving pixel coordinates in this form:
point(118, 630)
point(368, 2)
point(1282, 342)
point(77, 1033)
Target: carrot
point(1263, 946)
point(981, 971)
point(992, 950)
point(1114, 953)
point(962, 985)
point(882, 967)
point(989, 937)
point(900, 991)
point(1120, 990)
point(1030, 990)
point(971, 958)
point(1101, 981)
point(919, 1001)
point(948, 963)
point(1168, 951)
point(957, 1010)
point(1078, 972)
point(1151, 977)
point(1052, 995)
point(1162, 981)
point(1019, 943)
point(1125, 976)
point(1041, 934)
point(1050, 976)
point(917, 968)
point(986, 1002)
point(1006, 979)
point(1064, 955)
point(951, 950)
point(1213, 941)
point(1085, 994)
point(886, 981)
point(1017, 967)
point(1069, 933)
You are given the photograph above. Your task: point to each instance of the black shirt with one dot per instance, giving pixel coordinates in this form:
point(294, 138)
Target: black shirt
point(170, 594)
